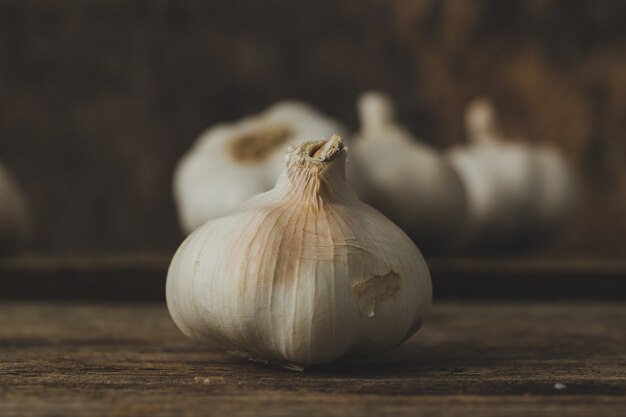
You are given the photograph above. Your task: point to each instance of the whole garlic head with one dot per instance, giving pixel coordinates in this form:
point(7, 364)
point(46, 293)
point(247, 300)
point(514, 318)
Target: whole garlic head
point(407, 180)
point(303, 274)
point(230, 163)
point(514, 188)
point(14, 222)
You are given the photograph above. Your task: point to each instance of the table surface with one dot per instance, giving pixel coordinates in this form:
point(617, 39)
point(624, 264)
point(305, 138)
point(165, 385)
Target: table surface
point(69, 358)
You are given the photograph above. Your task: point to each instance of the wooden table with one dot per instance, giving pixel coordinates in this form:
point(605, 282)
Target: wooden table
point(487, 358)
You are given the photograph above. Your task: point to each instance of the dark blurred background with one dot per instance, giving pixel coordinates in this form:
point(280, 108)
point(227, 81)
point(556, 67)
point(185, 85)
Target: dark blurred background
point(99, 99)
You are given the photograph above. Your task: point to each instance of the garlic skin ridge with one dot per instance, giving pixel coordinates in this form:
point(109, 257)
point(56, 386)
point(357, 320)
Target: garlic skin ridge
point(231, 162)
point(303, 274)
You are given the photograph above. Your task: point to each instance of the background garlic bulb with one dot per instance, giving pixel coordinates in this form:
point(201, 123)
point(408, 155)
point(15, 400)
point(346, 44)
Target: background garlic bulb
point(14, 225)
point(230, 163)
point(405, 179)
point(557, 188)
point(303, 274)
point(515, 188)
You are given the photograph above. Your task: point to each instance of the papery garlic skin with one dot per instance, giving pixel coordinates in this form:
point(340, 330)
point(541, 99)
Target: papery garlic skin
point(407, 180)
point(14, 221)
point(515, 189)
point(230, 163)
point(303, 274)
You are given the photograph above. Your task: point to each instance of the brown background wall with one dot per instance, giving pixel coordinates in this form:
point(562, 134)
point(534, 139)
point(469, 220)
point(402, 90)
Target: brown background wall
point(99, 99)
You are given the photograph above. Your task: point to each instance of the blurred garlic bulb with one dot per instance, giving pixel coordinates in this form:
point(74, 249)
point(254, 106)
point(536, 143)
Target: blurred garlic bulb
point(514, 188)
point(230, 163)
point(557, 187)
point(407, 180)
point(303, 274)
point(14, 222)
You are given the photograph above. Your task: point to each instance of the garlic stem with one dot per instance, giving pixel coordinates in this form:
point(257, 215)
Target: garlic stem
point(376, 112)
point(316, 171)
point(326, 150)
point(480, 122)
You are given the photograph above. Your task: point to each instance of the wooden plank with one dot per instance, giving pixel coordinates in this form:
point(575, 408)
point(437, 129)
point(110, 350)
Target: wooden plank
point(486, 359)
point(143, 278)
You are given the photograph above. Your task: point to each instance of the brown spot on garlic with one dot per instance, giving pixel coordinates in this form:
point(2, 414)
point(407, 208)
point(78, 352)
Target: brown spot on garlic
point(375, 289)
point(258, 145)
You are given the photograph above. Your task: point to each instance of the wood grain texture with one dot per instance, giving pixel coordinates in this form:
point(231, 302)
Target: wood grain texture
point(470, 358)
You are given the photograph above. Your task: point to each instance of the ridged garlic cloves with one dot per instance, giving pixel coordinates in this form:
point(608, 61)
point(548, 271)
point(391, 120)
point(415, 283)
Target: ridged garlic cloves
point(232, 162)
point(303, 274)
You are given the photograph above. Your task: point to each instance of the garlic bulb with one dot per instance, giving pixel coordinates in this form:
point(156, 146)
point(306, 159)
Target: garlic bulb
point(232, 162)
point(14, 224)
point(514, 188)
point(303, 274)
point(405, 179)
